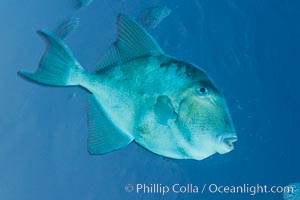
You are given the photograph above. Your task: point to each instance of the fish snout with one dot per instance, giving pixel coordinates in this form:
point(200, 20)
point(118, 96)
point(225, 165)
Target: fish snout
point(225, 143)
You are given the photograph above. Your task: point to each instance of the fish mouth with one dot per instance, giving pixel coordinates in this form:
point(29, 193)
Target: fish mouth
point(229, 140)
point(225, 143)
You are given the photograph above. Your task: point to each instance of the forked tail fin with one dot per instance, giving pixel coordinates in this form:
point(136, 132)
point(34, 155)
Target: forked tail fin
point(58, 65)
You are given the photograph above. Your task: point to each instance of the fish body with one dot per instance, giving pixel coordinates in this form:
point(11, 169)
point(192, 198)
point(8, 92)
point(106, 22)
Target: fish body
point(83, 3)
point(155, 15)
point(140, 94)
point(67, 27)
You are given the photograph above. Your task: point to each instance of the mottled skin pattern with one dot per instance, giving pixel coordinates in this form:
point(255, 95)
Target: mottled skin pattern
point(198, 123)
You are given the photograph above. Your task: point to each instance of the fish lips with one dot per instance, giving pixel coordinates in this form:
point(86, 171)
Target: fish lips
point(225, 143)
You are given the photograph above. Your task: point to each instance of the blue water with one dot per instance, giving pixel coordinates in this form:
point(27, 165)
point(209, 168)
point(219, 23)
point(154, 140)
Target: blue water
point(250, 48)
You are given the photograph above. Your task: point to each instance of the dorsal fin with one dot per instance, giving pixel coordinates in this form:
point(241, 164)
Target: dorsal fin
point(133, 41)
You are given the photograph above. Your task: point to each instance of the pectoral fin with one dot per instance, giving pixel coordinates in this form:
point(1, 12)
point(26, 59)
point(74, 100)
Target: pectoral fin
point(103, 136)
point(164, 110)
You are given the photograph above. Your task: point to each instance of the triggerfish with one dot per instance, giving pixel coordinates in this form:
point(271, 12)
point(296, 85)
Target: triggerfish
point(155, 15)
point(138, 93)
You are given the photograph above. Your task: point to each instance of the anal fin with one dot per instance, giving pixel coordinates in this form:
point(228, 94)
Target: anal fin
point(103, 136)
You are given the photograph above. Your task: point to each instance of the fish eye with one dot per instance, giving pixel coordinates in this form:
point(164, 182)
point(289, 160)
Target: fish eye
point(202, 91)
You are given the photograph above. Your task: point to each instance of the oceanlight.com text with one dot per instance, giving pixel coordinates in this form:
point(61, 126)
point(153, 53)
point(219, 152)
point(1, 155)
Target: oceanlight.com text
point(248, 189)
point(164, 189)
